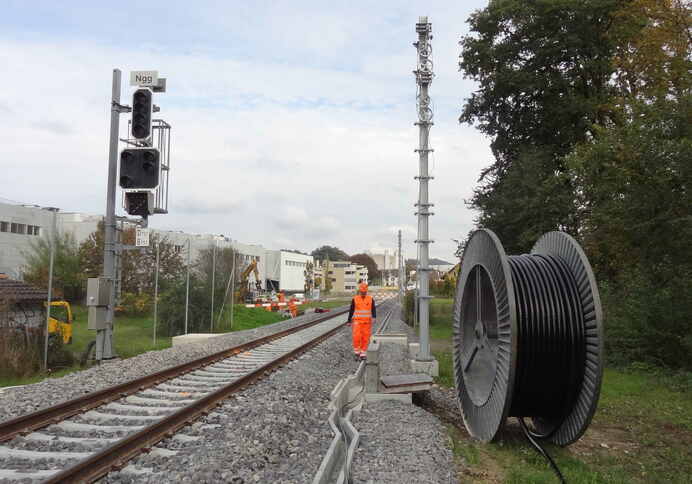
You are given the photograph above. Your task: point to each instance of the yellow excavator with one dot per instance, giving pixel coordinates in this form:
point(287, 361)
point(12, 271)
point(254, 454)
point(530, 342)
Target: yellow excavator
point(60, 321)
point(244, 294)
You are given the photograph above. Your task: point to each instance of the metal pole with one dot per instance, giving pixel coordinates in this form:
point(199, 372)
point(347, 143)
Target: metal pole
point(187, 285)
point(223, 303)
point(401, 272)
point(156, 290)
point(233, 288)
point(53, 236)
point(104, 337)
point(424, 76)
point(213, 280)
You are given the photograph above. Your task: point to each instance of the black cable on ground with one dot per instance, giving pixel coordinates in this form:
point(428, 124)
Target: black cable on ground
point(541, 450)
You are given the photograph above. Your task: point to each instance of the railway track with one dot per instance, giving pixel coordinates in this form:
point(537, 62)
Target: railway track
point(83, 439)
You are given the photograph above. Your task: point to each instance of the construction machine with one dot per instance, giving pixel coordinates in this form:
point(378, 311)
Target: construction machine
point(60, 321)
point(244, 293)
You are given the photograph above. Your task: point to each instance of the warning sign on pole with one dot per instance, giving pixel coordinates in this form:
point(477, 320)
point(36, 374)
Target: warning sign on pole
point(142, 237)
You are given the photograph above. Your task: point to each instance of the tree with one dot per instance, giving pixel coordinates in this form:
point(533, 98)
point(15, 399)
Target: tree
point(68, 279)
point(329, 252)
point(138, 266)
point(543, 69)
point(635, 184)
point(589, 108)
point(367, 261)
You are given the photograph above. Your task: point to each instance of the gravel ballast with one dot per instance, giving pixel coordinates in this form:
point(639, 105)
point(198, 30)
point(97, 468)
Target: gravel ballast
point(400, 442)
point(29, 398)
point(274, 431)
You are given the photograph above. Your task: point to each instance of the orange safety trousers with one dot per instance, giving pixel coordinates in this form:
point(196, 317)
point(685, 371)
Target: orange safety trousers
point(361, 336)
point(361, 322)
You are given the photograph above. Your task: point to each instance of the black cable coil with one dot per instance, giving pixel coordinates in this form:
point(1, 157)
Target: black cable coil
point(527, 338)
point(550, 338)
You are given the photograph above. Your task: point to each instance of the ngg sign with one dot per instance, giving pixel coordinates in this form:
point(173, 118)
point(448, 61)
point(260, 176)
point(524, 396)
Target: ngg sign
point(144, 78)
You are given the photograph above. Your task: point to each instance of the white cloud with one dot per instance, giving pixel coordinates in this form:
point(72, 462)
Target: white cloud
point(286, 154)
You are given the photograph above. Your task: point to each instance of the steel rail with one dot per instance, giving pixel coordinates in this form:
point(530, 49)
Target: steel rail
point(47, 416)
point(117, 454)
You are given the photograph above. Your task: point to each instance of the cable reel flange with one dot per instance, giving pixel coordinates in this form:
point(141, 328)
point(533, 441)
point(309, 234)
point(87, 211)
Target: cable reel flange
point(484, 354)
point(565, 248)
point(486, 341)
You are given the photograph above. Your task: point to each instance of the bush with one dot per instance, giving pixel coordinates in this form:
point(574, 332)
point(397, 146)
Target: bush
point(409, 307)
point(136, 304)
point(20, 352)
point(647, 320)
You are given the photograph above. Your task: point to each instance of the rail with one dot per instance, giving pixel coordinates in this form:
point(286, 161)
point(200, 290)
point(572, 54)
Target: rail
point(118, 453)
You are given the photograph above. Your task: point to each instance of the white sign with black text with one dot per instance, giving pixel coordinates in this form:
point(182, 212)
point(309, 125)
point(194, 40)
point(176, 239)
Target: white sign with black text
point(142, 237)
point(144, 78)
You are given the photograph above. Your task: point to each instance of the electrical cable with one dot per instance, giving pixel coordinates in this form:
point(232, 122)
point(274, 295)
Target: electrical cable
point(551, 343)
point(541, 450)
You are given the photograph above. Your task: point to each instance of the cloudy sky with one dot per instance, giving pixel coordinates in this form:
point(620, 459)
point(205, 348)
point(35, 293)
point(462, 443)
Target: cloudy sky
point(292, 120)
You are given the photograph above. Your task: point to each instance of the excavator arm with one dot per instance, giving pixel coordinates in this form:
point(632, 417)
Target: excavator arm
point(250, 269)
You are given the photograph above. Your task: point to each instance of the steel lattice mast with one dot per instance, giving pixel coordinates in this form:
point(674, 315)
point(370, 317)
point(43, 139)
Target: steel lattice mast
point(424, 75)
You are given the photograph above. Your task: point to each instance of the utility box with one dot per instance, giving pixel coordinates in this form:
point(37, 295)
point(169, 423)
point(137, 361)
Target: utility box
point(98, 291)
point(97, 317)
point(98, 296)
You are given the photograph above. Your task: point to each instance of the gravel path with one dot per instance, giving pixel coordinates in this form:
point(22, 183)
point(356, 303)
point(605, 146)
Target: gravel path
point(29, 398)
point(274, 431)
point(401, 443)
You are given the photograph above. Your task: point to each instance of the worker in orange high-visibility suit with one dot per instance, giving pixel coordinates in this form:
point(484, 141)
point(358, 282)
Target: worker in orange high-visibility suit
point(361, 316)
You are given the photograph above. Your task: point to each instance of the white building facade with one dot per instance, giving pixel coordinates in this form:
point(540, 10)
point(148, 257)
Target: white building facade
point(286, 270)
point(20, 225)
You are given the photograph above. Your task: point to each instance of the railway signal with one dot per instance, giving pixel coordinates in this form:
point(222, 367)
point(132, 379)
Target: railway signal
point(142, 107)
point(139, 168)
point(144, 168)
point(140, 203)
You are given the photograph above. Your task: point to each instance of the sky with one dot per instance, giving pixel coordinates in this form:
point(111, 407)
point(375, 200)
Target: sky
point(292, 121)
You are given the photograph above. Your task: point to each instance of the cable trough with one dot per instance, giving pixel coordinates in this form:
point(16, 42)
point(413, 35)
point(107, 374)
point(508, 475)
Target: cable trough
point(528, 338)
point(344, 399)
point(83, 439)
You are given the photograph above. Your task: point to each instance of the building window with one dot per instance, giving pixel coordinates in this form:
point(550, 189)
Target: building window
point(4, 226)
point(37, 230)
point(333, 279)
point(21, 228)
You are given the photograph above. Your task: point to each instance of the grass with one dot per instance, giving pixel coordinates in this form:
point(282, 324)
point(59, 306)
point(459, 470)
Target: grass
point(642, 430)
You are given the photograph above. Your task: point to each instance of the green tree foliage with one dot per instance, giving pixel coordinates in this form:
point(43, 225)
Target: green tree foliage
point(68, 279)
point(199, 313)
point(542, 68)
point(369, 262)
point(329, 252)
point(138, 266)
point(588, 106)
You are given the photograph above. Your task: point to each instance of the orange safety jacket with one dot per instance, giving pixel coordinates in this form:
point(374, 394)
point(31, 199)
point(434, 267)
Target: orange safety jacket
point(362, 309)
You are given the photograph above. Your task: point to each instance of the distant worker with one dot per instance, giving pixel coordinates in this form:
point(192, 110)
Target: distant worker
point(361, 316)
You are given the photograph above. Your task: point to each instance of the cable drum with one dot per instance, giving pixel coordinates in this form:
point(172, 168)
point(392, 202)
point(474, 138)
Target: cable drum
point(527, 337)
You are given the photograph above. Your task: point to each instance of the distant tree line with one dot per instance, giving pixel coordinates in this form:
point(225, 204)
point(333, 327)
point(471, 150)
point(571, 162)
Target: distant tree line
point(587, 104)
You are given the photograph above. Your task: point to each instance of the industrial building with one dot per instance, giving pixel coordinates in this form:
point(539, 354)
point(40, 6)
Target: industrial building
point(286, 270)
point(343, 275)
point(22, 224)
